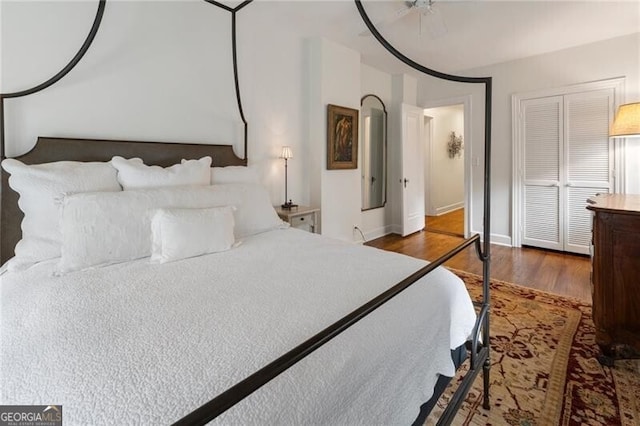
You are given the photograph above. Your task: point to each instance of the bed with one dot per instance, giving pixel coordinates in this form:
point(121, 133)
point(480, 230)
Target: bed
point(275, 326)
point(150, 343)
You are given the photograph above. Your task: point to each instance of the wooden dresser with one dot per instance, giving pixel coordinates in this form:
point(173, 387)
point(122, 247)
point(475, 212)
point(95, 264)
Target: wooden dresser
point(616, 274)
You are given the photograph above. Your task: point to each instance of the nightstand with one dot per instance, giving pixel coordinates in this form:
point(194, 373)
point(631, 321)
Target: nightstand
point(302, 217)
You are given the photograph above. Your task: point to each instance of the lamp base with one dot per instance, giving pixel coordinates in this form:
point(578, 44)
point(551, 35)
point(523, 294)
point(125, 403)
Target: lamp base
point(288, 205)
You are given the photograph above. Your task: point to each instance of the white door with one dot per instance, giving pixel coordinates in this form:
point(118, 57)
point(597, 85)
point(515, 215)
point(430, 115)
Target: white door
point(588, 156)
point(566, 158)
point(542, 155)
point(412, 181)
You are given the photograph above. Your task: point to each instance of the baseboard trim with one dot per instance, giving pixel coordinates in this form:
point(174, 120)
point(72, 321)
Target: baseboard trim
point(378, 232)
point(498, 239)
point(450, 208)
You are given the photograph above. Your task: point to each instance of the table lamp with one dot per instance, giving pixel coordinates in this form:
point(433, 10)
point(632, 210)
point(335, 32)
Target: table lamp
point(626, 122)
point(286, 154)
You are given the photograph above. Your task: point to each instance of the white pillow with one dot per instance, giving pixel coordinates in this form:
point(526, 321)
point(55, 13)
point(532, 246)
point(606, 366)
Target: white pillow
point(105, 228)
point(41, 187)
point(133, 174)
point(234, 174)
point(182, 233)
point(254, 212)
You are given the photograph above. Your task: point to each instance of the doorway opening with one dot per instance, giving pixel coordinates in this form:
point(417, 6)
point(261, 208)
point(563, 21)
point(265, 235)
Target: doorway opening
point(445, 185)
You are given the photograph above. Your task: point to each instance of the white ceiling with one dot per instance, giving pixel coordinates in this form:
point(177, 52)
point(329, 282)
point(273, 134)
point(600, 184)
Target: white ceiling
point(478, 32)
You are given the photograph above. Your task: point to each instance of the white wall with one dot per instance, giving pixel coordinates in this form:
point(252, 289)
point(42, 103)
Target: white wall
point(618, 57)
point(138, 80)
point(158, 71)
point(162, 71)
point(334, 78)
point(446, 189)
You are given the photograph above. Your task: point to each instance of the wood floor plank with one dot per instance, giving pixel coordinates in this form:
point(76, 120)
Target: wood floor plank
point(451, 223)
point(559, 273)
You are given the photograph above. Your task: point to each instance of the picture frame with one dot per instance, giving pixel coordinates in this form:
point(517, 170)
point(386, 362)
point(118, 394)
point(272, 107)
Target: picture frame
point(342, 137)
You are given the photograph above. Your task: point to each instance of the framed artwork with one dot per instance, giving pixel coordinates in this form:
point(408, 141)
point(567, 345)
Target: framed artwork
point(342, 137)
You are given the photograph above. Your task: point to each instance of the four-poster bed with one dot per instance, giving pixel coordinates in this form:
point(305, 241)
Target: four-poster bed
point(323, 338)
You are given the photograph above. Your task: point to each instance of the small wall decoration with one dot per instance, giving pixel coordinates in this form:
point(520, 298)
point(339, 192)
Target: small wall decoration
point(455, 145)
point(342, 138)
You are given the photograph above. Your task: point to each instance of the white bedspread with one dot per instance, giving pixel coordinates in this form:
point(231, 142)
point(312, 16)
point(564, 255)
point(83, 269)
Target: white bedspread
point(137, 343)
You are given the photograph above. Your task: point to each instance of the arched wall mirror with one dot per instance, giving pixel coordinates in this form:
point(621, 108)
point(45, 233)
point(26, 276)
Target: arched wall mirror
point(374, 152)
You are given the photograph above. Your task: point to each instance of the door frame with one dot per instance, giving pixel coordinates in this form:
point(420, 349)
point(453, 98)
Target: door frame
point(468, 182)
point(428, 137)
point(617, 84)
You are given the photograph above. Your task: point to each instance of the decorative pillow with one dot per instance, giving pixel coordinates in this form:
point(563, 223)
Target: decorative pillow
point(234, 174)
point(182, 233)
point(133, 174)
point(105, 228)
point(41, 187)
point(254, 212)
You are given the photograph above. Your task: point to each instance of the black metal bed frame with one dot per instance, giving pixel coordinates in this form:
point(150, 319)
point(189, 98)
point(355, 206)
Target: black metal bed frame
point(479, 343)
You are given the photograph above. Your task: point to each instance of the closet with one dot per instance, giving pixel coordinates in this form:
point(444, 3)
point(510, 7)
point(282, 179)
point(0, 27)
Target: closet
point(563, 155)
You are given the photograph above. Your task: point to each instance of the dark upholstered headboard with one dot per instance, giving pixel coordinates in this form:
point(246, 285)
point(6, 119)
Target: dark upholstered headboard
point(59, 149)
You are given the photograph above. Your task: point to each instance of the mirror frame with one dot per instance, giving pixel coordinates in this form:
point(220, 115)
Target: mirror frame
point(384, 146)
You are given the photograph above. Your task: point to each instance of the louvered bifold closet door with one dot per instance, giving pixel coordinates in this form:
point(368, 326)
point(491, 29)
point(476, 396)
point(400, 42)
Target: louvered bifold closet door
point(542, 130)
point(588, 161)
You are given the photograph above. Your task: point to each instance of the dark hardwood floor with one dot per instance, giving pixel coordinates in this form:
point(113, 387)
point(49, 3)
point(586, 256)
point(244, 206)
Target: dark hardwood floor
point(560, 273)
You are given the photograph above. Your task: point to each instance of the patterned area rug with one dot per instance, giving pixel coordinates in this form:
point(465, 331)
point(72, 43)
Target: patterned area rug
point(544, 367)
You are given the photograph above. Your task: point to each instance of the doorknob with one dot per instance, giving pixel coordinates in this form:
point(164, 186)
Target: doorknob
point(406, 181)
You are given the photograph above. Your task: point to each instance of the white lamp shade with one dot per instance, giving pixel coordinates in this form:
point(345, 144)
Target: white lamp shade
point(627, 121)
point(286, 152)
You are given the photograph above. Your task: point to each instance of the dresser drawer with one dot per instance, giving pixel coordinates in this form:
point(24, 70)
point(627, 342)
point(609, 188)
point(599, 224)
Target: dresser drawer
point(302, 220)
point(301, 217)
